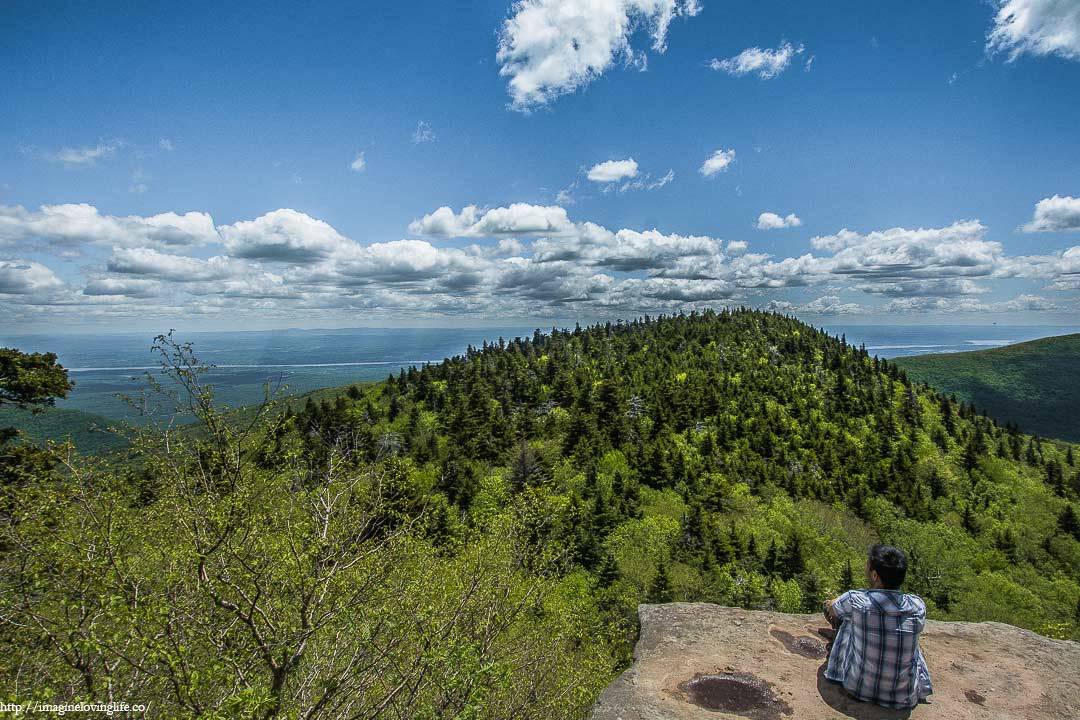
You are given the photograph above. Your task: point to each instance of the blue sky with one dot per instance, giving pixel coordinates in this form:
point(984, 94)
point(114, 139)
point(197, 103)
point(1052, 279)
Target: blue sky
point(220, 166)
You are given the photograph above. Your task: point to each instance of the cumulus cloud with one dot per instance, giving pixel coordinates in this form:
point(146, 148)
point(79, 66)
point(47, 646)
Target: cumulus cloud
point(25, 277)
point(830, 305)
point(165, 266)
point(71, 225)
point(613, 171)
point(936, 287)
point(717, 162)
point(1055, 214)
point(517, 219)
point(400, 262)
point(549, 48)
point(625, 250)
point(283, 235)
point(359, 163)
point(1021, 303)
point(766, 64)
point(1036, 27)
point(130, 287)
point(772, 221)
point(958, 250)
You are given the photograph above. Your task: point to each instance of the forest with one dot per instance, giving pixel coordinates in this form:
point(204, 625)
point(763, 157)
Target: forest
point(472, 538)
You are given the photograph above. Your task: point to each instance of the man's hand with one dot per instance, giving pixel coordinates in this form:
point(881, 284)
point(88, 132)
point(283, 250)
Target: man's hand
point(830, 614)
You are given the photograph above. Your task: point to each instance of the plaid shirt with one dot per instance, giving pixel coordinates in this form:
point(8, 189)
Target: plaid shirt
point(876, 651)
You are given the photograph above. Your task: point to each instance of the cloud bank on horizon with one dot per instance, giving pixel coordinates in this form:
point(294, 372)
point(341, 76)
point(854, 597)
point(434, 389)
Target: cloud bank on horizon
point(525, 260)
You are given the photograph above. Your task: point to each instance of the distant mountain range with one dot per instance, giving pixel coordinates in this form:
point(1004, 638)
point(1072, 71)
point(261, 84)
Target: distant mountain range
point(1033, 384)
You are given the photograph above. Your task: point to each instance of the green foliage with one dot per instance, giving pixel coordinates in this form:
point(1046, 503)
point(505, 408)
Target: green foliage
point(319, 582)
point(31, 379)
point(29, 382)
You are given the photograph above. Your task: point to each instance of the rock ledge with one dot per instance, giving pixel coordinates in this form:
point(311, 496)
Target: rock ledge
point(695, 660)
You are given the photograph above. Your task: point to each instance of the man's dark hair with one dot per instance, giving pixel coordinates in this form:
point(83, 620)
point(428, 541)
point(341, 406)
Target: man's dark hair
point(890, 565)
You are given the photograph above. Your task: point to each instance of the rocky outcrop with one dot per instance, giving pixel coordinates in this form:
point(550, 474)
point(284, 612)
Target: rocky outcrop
point(695, 660)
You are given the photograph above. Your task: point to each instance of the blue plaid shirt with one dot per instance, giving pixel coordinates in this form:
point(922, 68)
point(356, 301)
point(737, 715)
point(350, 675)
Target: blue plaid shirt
point(876, 651)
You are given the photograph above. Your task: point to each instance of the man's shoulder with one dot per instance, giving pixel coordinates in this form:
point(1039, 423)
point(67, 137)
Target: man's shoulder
point(916, 603)
point(855, 598)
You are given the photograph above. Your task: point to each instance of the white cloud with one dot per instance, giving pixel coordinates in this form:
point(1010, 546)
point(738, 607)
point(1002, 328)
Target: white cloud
point(423, 133)
point(177, 268)
point(958, 250)
point(717, 162)
point(283, 235)
point(400, 262)
point(1021, 303)
point(625, 250)
point(1036, 27)
point(25, 277)
point(126, 286)
point(736, 247)
point(359, 163)
point(71, 225)
point(1055, 214)
point(830, 305)
point(613, 170)
point(766, 64)
point(772, 221)
point(1062, 268)
point(934, 287)
point(549, 48)
point(166, 145)
point(517, 219)
point(85, 156)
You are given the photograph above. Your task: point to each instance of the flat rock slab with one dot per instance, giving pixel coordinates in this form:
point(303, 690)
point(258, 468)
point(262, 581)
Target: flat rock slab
point(707, 662)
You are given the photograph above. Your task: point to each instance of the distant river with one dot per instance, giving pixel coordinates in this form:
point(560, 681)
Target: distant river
point(104, 365)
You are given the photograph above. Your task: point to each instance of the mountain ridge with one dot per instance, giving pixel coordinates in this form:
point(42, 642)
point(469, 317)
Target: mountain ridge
point(1023, 383)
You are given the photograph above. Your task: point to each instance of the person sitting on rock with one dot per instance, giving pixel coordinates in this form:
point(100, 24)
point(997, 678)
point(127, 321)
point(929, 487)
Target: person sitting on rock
point(875, 654)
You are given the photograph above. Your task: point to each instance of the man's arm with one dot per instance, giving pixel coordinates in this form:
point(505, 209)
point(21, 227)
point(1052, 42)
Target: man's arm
point(837, 609)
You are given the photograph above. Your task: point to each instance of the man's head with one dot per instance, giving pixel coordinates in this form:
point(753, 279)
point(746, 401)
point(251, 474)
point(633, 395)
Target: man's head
point(888, 564)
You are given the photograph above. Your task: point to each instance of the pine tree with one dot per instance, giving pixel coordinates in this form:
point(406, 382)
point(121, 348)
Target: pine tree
point(811, 591)
point(660, 590)
point(847, 577)
point(794, 562)
point(1068, 522)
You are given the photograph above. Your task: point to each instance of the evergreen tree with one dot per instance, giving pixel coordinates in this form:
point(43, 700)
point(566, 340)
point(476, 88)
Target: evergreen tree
point(1068, 523)
point(794, 563)
point(660, 590)
point(847, 578)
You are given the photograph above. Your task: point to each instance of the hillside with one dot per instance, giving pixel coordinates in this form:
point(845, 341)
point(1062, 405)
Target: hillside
point(88, 432)
point(1028, 384)
point(474, 537)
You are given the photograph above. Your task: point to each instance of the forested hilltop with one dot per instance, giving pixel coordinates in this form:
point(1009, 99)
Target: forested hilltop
point(472, 537)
